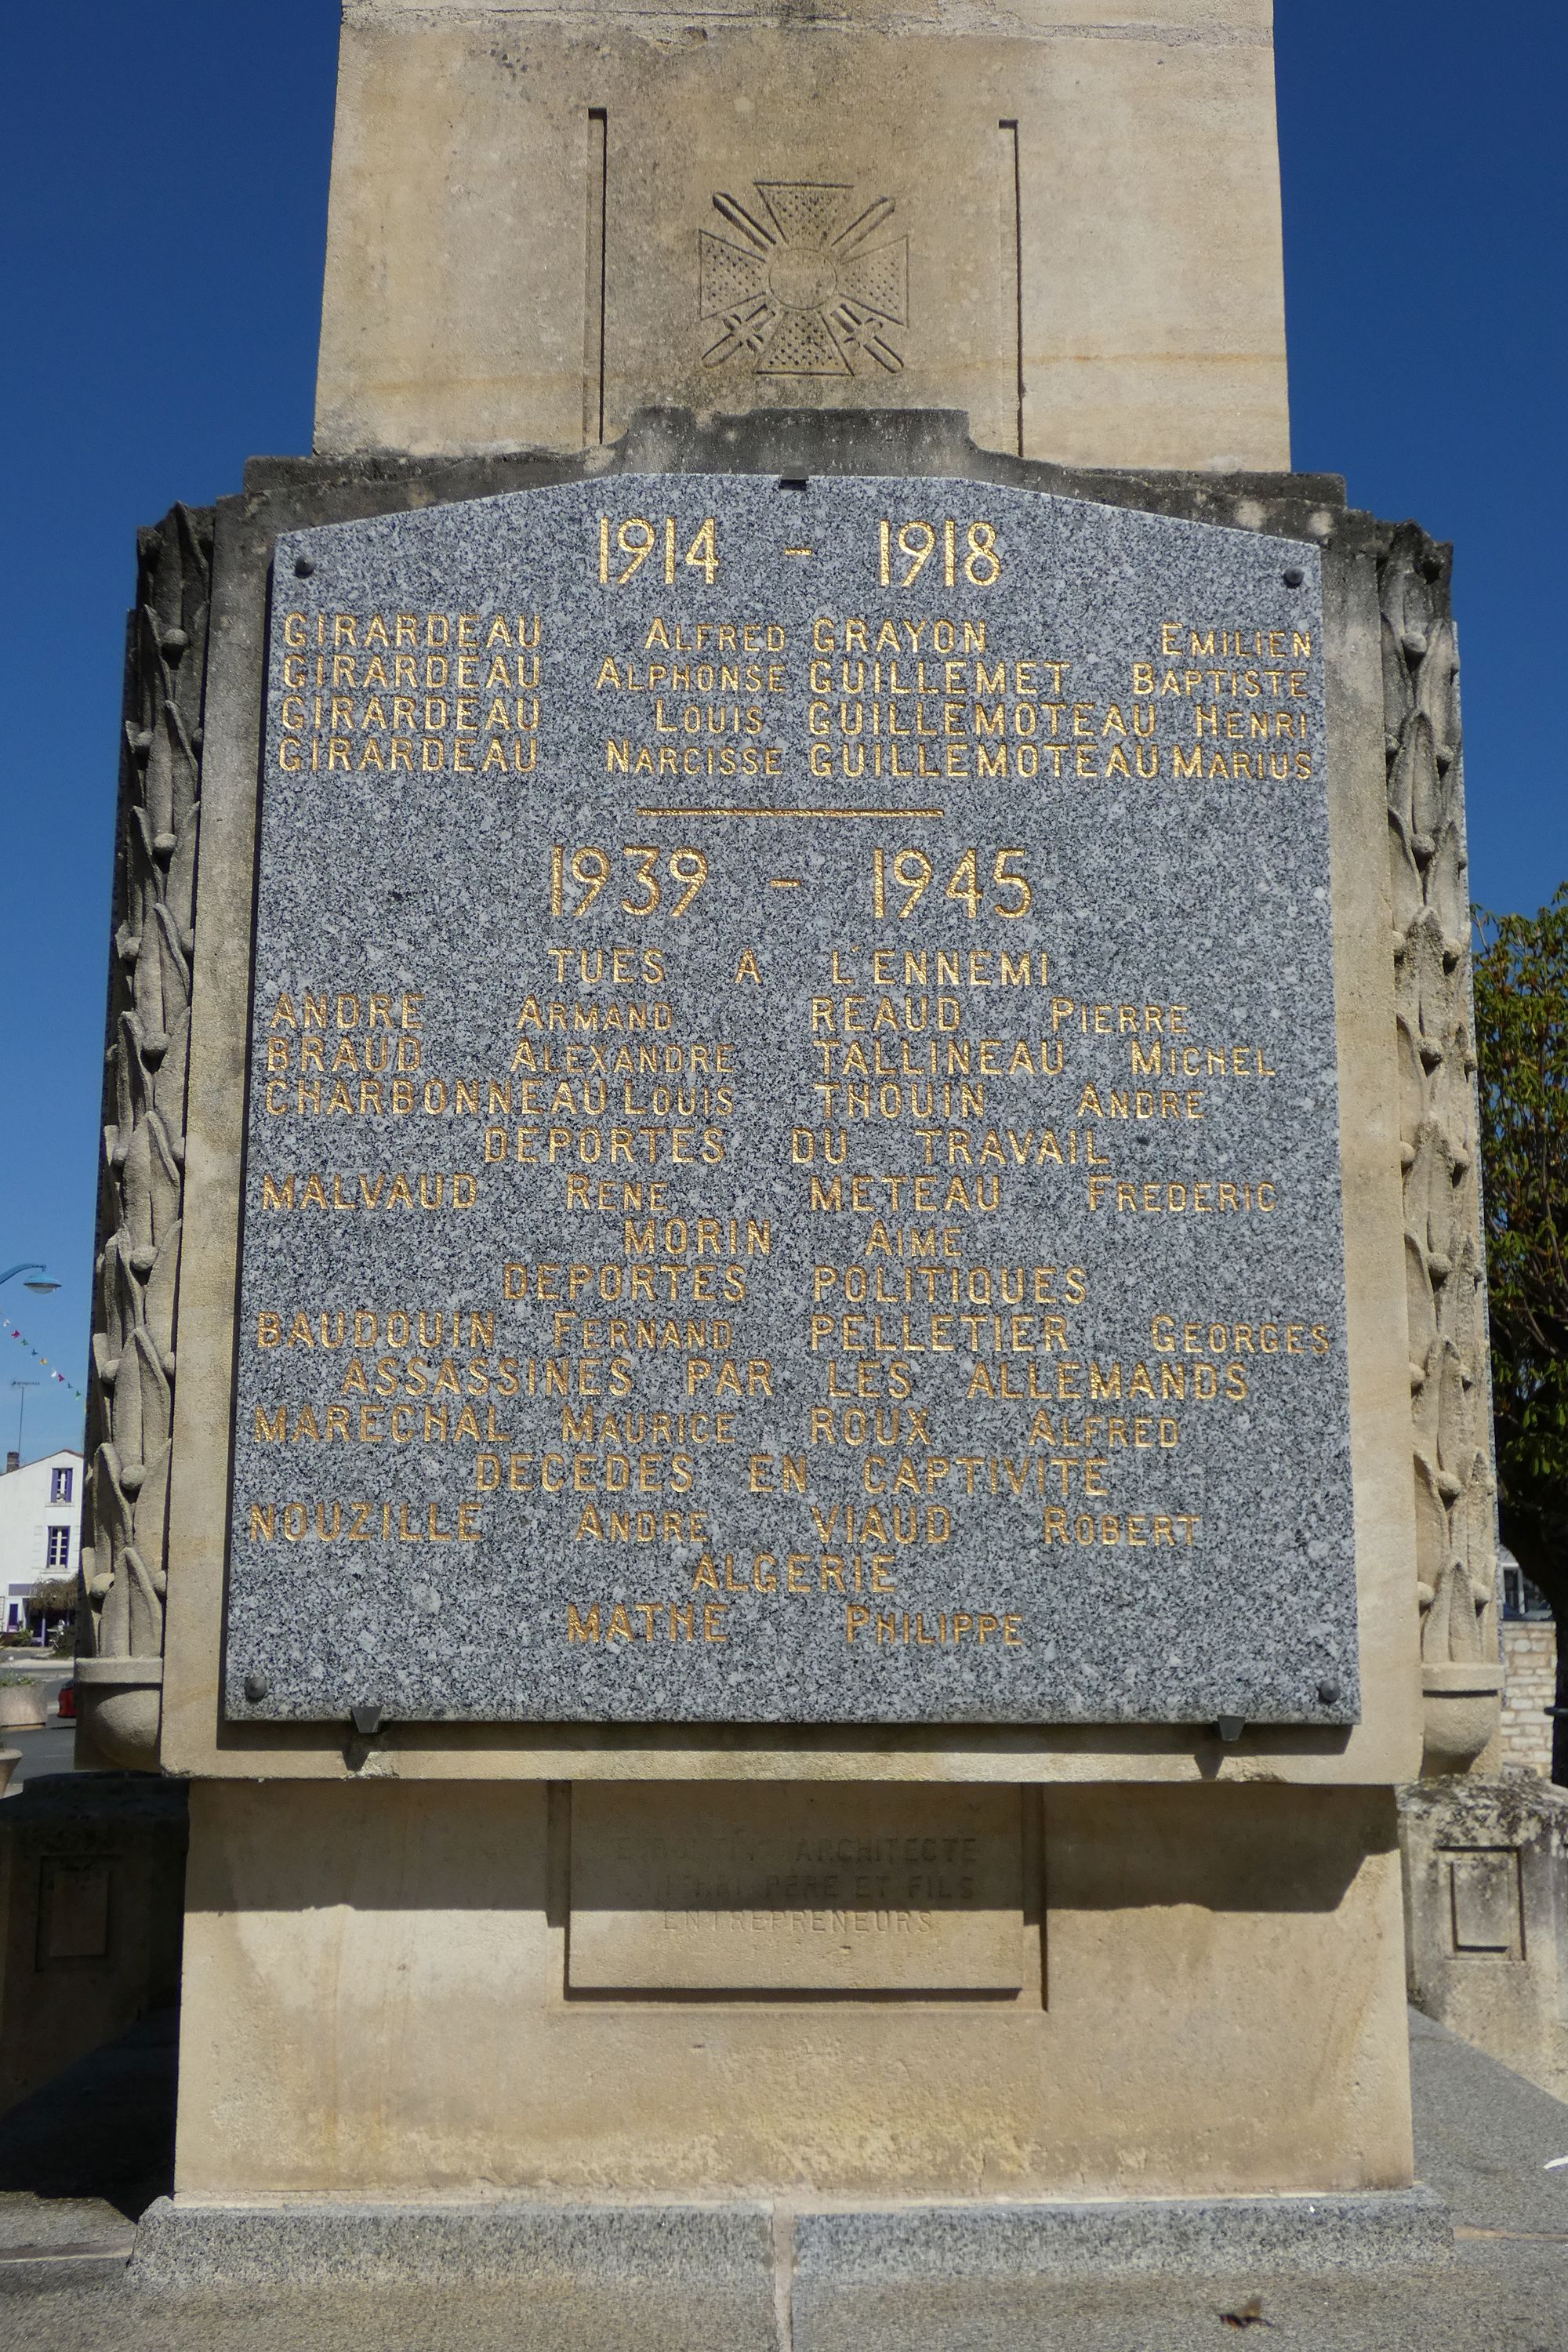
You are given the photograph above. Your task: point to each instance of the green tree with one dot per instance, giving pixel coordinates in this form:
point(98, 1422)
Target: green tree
point(1521, 1041)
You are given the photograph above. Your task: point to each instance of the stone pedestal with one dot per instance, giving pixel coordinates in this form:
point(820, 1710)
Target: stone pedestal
point(468, 1920)
point(1486, 1900)
point(429, 1960)
point(405, 1991)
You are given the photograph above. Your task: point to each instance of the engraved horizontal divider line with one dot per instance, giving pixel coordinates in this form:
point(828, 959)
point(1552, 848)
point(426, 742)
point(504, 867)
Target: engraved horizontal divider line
point(794, 811)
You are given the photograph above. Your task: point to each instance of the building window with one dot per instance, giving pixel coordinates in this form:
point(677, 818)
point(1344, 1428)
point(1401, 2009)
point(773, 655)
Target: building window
point(58, 1553)
point(59, 1485)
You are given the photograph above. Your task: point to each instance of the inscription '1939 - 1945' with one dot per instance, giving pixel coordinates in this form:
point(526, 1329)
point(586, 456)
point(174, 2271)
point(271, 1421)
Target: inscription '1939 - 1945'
point(809, 1191)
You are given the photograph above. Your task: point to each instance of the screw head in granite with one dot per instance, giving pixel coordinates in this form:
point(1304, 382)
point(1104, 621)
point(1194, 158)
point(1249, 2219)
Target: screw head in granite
point(792, 1141)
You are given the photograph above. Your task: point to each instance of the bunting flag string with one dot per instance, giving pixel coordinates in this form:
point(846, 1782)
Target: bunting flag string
point(6, 1325)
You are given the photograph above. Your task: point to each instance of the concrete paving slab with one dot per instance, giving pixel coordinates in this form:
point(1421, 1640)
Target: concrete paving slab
point(479, 2319)
point(1484, 2137)
point(28, 2221)
point(1490, 2300)
point(1486, 2301)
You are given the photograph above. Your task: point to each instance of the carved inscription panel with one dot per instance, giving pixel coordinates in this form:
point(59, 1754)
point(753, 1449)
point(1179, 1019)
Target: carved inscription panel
point(793, 1139)
point(712, 1886)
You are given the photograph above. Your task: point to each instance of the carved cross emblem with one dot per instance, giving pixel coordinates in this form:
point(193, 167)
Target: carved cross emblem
point(803, 285)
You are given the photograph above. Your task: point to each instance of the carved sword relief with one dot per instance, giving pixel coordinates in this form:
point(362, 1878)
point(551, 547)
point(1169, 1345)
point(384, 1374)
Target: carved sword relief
point(131, 1377)
point(1444, 1250)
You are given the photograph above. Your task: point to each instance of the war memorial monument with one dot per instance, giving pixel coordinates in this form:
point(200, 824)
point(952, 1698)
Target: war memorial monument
point(791, 1424)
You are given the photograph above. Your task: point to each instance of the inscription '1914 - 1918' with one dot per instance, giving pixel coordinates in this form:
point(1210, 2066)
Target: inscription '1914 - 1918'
point(793, 1171)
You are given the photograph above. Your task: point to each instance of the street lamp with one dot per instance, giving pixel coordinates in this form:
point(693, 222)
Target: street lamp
point(41, 1282)
point(45, 1284)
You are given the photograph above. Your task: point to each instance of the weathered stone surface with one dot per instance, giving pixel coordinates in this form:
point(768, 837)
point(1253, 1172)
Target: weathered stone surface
point(1046, 1317)
point(1064, 219)
point(836, 1889)
point(1485, 1910)
point(329, 1924)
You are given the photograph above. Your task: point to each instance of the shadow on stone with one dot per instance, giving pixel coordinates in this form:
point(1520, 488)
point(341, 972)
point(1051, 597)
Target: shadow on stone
point(103, 2129)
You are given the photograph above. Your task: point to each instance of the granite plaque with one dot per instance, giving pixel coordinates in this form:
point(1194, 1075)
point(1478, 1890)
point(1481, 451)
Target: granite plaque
point(739, 1886)
point(792, 1167)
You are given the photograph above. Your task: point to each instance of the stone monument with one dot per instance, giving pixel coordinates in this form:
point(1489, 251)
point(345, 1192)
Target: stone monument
point(791, 1418)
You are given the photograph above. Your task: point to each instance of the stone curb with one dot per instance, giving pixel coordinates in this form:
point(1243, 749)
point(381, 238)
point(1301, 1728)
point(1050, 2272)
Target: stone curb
point(734, 2247)
point(1189, 2237)
point(721, 2247)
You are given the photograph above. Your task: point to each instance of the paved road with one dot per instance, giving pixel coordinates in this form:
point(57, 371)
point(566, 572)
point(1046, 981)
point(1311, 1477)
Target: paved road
point(52, 1749)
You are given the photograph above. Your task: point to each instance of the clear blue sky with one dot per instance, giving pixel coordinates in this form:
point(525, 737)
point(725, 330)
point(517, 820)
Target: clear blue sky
point(164, 172)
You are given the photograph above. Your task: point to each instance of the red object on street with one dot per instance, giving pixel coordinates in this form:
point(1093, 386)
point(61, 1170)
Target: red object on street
point(68, 1699)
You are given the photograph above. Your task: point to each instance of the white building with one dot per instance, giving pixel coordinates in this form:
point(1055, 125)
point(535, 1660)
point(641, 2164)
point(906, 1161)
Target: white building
point(40, 1527)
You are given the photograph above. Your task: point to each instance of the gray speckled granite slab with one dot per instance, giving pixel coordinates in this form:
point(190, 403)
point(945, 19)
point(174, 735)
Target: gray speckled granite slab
point(792, 1145)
